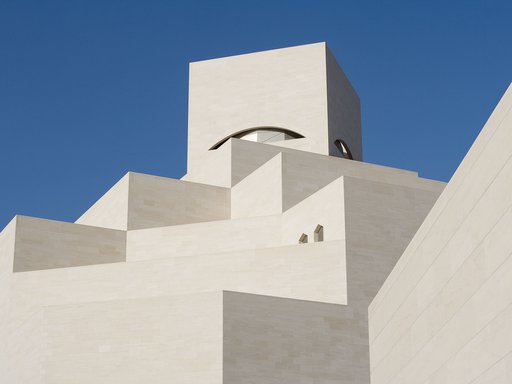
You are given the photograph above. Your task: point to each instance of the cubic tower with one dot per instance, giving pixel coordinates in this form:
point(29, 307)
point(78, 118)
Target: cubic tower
point(257, 267)
point(297, 93)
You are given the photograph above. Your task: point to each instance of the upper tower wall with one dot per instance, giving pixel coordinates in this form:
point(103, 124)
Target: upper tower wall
point(299, 92)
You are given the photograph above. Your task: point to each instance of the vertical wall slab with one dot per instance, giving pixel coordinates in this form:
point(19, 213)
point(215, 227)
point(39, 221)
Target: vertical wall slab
point(260, 193)
point(325, 207)
point(380, 220)
point(281, 341)
point(214, 170)
point(158, 201)
point(444, 313)
point(169, 339)
point(145, 201)
point(7, 240)
point(343, 110)
point(216, 237)
point(48, 244)
point(111, 210)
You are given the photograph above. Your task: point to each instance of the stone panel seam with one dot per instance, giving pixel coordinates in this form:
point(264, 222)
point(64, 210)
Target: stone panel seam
point(490, 367)
point(509, 306)
point(437, 293)
point(433, 225)
point(441, 251)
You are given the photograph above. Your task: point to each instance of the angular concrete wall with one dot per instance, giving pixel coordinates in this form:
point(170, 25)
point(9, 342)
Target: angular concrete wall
point(260, 193)
point(132, 292)
point(309, 272)
point(246, 156)
point(205, 238)
point(111, 210)
point(154, 340)
point(7, 240)
point(274, 340)
point(158, 201)
point(326, 207)
point(44, 320)
point(304, 174)
point(282, 341)
point(283, 88)
point(48, 244)
point(380, 219)
point(444, 313)
point(343, 110)
point(146, 201)
point(371, 217)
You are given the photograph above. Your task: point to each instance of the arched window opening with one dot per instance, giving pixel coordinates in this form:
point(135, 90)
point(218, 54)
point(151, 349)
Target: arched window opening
point(319, 233)
point(303, 239)
point(344, 149)
point(264, 136)
point(261, 135)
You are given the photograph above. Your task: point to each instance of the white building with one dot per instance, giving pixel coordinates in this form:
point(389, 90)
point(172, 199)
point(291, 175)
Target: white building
point(260, 264)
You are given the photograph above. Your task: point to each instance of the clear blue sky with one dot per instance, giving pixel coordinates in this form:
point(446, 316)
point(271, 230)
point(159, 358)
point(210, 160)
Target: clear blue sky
point(92, 89)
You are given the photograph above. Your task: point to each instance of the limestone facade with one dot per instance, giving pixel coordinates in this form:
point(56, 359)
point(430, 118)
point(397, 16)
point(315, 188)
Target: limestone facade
point(444, 314)
point(257, 267)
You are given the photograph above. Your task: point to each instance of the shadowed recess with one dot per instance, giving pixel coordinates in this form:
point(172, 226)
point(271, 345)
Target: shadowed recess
point(245, 132)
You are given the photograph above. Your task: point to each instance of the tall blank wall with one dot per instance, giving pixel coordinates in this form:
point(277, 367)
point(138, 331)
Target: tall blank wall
point(444, 313)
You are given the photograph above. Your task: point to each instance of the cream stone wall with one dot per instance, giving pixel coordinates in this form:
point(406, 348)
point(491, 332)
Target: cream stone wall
point(299, 144)
point(301, 88)
point(205, 238)
point(260, 193)
point(304, 174)
point(25, 348)
point(111, 210)
point(47, 244)
point(246, 157)
point(145, 201)
point(343, 110)
point(158, 201)
point(313, 211)
point(281, 341)
point(380, 219)
point(239, 254)
point(7, 237)
point(314, 272)
point(252, 232)
point(155, 340)
point(308, 271)
point(283, 88)
point(443, 315)
point(231, 163)
point(213, 169)
point(204, 279)
point(275, 340)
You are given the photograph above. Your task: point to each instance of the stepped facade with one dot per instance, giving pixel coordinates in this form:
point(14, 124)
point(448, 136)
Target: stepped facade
point(258, 266)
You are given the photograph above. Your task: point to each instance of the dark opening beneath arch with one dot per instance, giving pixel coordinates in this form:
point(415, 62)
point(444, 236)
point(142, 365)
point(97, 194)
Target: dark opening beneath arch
point(245, 132)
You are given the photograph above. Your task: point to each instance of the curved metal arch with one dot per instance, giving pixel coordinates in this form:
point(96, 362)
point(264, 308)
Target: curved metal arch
point(344, 149)
point(244, 132)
